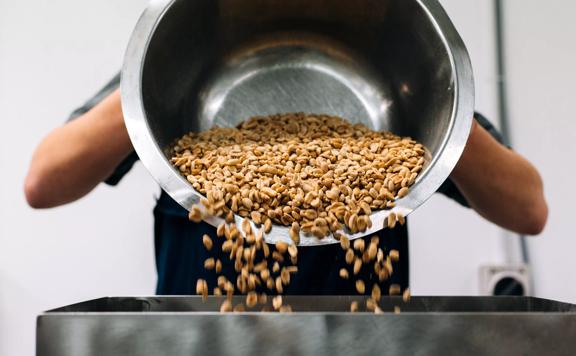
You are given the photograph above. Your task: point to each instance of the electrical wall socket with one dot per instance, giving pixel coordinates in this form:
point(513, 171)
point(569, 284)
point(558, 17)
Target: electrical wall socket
point(505, 280)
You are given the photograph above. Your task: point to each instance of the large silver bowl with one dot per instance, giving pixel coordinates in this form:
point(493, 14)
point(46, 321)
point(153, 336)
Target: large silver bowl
point(395, 65)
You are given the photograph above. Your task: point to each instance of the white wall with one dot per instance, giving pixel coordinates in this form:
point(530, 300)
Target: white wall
point(542, 72)
point(54, 57)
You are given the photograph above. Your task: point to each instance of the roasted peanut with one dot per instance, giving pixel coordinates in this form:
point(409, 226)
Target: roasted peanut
point(207, 241)
point(360, 286)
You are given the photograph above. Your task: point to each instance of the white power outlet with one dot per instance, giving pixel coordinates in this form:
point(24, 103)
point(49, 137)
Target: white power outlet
point(505, 280)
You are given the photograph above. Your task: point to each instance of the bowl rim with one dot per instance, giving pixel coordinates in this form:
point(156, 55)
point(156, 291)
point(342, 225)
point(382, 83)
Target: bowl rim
point(153, 158)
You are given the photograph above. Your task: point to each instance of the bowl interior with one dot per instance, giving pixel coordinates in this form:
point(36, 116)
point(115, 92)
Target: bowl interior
point(382, 63)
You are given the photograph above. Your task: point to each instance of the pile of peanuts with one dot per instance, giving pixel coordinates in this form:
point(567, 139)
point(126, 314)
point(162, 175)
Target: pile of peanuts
point(317, 174)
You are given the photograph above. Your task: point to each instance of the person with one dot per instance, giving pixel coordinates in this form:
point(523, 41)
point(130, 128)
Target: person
point(94, 147)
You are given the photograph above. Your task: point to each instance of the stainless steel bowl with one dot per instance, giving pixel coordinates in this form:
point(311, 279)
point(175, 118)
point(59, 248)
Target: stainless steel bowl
point(395, 65)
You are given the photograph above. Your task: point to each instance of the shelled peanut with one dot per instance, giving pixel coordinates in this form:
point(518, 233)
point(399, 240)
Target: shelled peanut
point(313, 173)
point(316, 174)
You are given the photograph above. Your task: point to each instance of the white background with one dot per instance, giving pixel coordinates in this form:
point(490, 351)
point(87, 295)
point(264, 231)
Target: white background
point(55, 54)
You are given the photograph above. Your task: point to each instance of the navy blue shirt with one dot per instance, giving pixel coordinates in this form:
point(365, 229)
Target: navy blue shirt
point(180, 253)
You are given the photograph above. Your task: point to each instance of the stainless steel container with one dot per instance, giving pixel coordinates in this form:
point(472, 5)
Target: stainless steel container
point(179, 326)
point(395, 65)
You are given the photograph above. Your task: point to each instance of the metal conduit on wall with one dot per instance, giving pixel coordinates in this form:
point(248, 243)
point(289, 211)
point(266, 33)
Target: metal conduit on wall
point(503, 111)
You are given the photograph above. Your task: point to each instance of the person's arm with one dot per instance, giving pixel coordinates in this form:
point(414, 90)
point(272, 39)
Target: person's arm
point(76, 157)
point(500, 185)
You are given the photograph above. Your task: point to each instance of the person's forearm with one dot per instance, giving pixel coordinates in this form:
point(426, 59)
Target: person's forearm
point(74, 158)
point(501, 185)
